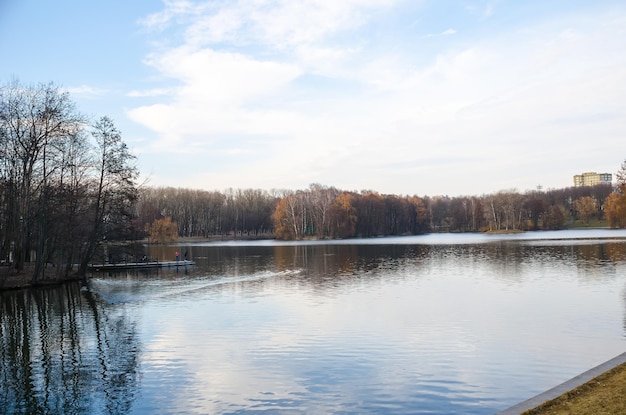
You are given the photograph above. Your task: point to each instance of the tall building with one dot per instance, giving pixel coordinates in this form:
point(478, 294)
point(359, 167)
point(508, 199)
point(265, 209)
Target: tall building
point(592, 179)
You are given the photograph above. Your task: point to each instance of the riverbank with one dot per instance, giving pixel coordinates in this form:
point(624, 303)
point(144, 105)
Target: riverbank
point(601, 390)
point(605, 394)
point(11, 279)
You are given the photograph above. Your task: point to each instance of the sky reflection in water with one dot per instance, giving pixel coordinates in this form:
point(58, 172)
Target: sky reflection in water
point(403, 326)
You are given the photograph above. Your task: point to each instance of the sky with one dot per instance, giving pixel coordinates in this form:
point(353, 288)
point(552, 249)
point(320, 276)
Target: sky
point(405, 97)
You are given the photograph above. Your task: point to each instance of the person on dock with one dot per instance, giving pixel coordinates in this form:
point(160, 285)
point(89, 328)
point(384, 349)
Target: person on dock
point(176, 256)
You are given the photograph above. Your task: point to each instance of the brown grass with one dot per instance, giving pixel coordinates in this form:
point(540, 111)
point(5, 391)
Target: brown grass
point(605, 394)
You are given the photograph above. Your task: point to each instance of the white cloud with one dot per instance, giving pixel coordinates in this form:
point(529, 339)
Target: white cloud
point(173, 9)
point(154, 92)
point(222, 78)
point(278, 24)
point(447, 32)
point(486, 10)
point(216, 89)
point(86, 91)
point(270, 86)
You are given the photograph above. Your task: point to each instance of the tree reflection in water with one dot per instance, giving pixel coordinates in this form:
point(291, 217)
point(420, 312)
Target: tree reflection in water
point(65, 352)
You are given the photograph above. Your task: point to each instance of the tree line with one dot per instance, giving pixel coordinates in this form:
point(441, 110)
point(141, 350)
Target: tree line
point(327, 212)
point(66, 184)
point(203, 214)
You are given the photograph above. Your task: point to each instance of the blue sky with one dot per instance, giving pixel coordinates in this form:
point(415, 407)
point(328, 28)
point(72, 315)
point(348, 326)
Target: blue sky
point(404, 97)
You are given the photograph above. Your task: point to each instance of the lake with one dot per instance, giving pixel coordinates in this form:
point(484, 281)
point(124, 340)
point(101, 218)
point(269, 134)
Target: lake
point(440, 323)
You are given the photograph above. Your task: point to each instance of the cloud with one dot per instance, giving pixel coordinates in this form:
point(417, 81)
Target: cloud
point(217, 97)
point(307, 88)
point(224, 93)
point(278, 24)
point(86, 91)
point(485, 10)
point(154, 92)
point(173, 10)
point(447, 32)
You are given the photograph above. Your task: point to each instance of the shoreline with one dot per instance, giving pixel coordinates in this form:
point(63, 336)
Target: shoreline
point(12, 280)
point(23, 281)
point(562, 391)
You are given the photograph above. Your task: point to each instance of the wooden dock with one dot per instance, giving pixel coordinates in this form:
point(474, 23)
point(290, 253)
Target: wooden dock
point(121, 266)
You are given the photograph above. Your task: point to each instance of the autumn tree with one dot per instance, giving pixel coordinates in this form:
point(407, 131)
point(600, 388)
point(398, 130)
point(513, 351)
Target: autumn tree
point(586, 207)
point(555, 218)
point(290, 217)
point(418, 218)
point(535, 206)
point(615, 204)
point(202, 213)
point(342, 216)
point(162, 230)
point(615, 208)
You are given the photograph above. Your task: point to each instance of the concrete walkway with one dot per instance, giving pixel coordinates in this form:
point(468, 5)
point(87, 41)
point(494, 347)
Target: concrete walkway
point(564, 387)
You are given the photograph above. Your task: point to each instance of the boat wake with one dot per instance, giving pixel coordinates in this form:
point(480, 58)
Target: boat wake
point(135, 290)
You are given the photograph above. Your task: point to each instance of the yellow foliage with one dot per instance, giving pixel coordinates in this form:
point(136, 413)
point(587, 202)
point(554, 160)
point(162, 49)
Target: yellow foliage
point(586, 207)
point(282, 227)
point(615, 209)
point(343, 216)
point(162, 230)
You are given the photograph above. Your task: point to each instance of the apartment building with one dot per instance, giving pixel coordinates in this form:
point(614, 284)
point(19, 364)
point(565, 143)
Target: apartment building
point(592, 179)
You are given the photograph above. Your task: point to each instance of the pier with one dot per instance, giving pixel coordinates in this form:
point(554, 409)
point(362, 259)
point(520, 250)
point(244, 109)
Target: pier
point(139, 265)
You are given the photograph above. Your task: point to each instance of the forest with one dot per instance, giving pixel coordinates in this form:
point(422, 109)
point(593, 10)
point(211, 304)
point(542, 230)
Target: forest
point(66, 183)
point(326, 212)
point(69, 191)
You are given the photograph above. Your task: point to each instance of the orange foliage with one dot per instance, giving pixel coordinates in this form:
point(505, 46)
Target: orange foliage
point(586, 206)
point(283, 226)
point(343, 216)
point(615, 209)
point(162, 230)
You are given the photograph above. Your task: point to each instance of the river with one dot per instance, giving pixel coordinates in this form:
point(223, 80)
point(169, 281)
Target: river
point(441, 323)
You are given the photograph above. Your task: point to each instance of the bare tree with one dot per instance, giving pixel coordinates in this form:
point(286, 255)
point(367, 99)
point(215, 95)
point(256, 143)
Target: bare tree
point(621, 174)
point(320, 200)
point(34, 123)
point(115, 188)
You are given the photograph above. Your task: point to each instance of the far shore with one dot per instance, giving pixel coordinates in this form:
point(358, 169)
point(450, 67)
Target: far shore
point(504, 232)
point(13, 280)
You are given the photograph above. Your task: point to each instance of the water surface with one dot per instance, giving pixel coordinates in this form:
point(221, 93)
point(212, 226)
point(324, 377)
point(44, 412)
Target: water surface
point(440, 323)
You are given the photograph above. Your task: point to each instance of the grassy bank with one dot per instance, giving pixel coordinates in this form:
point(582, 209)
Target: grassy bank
point(592, 224)
point(504, 232)
point(605, 394)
